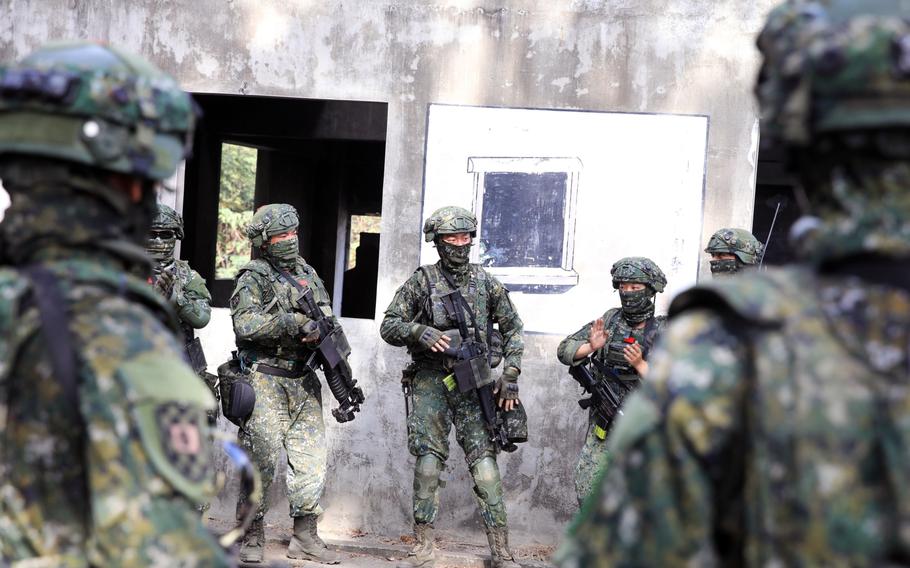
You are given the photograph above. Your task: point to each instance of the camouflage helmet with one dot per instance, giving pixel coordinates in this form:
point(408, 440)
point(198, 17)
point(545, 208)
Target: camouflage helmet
point(638, 269)
point(738, 242)
point(833, 66)
point(167, 218)
point(449, 220)
point(270, 220)
point(96, 105)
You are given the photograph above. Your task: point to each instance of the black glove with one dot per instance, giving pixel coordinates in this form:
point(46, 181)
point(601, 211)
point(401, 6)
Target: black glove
point(425, 335)
point(507, 385)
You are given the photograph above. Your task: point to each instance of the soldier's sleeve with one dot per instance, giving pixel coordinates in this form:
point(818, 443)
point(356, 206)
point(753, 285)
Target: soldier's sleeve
point(253, 321)
point(510, 325)
point(194, 302)
point(402, 312)
point(569, 346)
point(654, 505)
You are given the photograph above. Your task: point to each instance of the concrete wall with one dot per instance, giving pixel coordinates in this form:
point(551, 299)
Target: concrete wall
point(686, 56)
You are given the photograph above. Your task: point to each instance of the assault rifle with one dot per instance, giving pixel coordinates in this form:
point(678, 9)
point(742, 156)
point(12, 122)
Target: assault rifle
point(472, 367)
point(331, 356)
point(603, 400)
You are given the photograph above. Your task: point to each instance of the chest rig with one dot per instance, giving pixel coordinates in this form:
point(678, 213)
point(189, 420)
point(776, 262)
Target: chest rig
point(610, 362)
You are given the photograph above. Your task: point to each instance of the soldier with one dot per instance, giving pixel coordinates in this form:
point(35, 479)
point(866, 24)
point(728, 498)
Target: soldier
point(420, 319)
point(619, 343)
point(104, 445)
point(272, 339)
point(773, 429)
point(733, 250)
point(182, 287)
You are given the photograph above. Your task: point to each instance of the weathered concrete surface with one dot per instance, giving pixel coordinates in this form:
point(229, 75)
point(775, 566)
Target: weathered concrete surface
point(686, 56)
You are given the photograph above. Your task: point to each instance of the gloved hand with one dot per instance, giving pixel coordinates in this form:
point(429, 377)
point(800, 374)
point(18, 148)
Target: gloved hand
point(507, 388)
point(429, 337)
point(164, 284)
point(307, 328)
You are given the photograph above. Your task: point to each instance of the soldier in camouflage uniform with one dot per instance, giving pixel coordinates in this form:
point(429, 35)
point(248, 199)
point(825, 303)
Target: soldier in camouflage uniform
point(182, 287)
point(733, 250)
point(416, 318)
point(607, 340)
point(774, 427)
point(104, 445)
point(272, 338)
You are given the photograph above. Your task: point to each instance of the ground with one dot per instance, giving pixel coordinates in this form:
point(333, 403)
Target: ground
point(364, 550)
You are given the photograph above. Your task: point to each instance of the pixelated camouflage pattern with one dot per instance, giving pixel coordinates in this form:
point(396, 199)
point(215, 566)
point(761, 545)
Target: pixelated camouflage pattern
point(95, 105)
point(185, 289)
point(448, 221)
point(831, 66)
point(738, 242)
point(594, 455)
point(414, 303)
point(435, 408)
point(131, 502)
point(288, 416)
point(288, 412)
point(168, 218)
point(775, 437)
point(638, 269)
point(270, 220)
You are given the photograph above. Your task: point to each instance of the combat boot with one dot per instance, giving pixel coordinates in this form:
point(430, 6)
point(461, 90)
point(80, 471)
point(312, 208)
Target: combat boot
point(306, 544)
point(423, 554)
point(498, 538)
point(252, 549)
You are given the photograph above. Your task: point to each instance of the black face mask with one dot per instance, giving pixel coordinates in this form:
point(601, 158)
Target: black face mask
point(637, 306)
point(724, 267)
point(161, 244)
point(454, 258)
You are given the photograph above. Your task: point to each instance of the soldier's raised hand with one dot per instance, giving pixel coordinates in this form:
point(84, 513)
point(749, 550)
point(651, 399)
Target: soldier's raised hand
point(598, 336)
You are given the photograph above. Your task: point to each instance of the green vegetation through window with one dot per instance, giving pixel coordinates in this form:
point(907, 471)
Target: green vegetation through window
point(235, 208)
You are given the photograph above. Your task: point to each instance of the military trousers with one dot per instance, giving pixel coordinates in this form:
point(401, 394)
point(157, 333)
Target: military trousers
point(592, 460)
point(434, 410)
point(288, 415)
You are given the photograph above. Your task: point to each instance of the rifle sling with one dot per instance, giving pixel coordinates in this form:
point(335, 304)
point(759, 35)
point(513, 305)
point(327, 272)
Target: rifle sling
point(456, 293)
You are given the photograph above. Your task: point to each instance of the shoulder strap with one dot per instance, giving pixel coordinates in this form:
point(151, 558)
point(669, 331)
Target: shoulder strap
point(456, 294)
point(55, 328)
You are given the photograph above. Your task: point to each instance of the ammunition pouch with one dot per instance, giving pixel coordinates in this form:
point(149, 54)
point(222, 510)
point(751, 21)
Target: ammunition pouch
point(237, 395)
point(196, 356)
point(494, 343)
point(473, 373)
point(515, 422)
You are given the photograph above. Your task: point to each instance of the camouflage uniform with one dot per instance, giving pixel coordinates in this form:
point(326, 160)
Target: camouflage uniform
point(593, 456)
point(270, 333)
point(436, 404)
point(740, 243)
point(104, 446)
point(182, 287)
point(775, 429)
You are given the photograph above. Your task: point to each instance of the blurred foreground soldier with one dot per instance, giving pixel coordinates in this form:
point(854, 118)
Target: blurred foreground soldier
point(774, 428)
point(273, 339)
point(609, 357)
point(104, 445)
point(182, 287)
point(444, 314)
point(733, 250)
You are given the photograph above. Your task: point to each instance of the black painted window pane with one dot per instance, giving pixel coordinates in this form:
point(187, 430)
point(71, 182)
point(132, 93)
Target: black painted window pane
point(523, 220)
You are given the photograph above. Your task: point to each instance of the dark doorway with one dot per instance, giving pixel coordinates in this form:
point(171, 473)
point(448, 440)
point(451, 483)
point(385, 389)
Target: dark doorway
point(774, 192)
point(324, 157)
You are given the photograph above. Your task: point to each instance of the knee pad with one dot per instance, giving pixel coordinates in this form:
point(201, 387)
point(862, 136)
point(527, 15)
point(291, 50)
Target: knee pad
point(426, 476)
point(487, 483)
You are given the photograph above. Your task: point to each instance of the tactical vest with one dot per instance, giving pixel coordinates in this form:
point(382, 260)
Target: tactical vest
point(611, 354)
point(278, 297)
point(825, 447)
point(433, 312)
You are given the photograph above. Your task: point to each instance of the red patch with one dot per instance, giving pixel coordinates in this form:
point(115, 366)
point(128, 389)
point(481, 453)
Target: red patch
point(629, 340)
point(303, 282)
point(151, 281)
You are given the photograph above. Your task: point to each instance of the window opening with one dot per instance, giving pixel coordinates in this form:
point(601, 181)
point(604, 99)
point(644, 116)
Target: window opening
point(235, 208)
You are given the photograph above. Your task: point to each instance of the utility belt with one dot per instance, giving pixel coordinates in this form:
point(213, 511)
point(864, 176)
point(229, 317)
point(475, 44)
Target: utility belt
point(275, 366)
